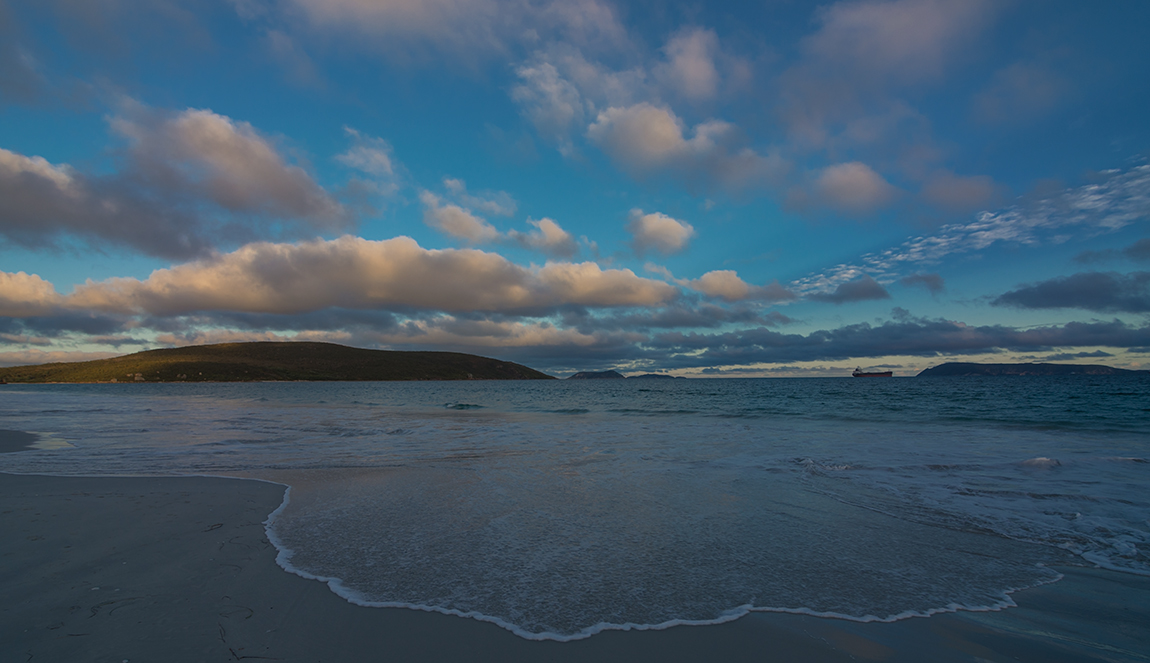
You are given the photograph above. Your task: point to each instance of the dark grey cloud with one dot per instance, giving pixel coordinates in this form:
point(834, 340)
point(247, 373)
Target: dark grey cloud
point(917, 337)
point(861, 289)
point(932, 282)
point(1138, 252)
point(63, 323)
point(1105, 292)
point(1070, 356)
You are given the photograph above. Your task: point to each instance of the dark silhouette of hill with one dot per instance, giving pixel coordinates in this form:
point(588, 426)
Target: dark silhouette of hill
point(960, 369)
point(246, 362)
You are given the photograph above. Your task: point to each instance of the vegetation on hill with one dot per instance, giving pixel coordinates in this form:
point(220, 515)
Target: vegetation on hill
point(958, 369)
point(244, 362)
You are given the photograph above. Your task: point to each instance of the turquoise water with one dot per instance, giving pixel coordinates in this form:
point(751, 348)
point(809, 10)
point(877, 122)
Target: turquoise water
point(559, 509)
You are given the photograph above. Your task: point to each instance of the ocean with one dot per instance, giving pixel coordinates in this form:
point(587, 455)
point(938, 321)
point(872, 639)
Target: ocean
point(558, 509)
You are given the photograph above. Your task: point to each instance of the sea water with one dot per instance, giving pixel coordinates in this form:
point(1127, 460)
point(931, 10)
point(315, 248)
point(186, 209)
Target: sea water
point(558, 509)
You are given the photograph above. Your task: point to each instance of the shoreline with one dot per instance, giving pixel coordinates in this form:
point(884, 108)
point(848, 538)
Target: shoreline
point(159, 568)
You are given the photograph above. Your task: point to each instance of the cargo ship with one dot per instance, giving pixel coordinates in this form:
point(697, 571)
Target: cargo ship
point(859, 373)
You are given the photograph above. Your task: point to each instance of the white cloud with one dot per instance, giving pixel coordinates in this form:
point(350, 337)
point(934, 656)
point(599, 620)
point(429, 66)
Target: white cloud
point(547, 237)
point(659, 232)
point(351, 272)
point(455, 221)
point(854, 187)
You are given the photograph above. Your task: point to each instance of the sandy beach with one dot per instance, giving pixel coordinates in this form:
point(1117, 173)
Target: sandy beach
point(180, 569)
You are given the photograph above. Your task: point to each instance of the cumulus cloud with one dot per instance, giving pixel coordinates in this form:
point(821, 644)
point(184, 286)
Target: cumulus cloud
point(225, 161)
point(726, 284)
point(862, 289)
point(354, 273)
point(646, 139)
point(41, 202)
point(902, 41)
point(690, 68)
point(547, 237)
point(23, 295)
point(932, 282)
point(1105, 292)
point(455, 221)
point(658, 232)
point(853, 187)
point(191, 180)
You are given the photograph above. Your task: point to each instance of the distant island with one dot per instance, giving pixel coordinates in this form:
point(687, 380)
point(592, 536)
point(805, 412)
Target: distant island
point(281, 361)
point(961, 369)
point(614, 375)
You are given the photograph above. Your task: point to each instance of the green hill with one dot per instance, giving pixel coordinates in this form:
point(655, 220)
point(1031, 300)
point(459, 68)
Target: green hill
point(243, 362)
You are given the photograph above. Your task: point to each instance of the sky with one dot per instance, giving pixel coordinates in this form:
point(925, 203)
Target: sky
point(736, 189)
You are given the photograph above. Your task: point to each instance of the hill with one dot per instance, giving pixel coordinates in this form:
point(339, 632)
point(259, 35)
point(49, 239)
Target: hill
point(245, 362)
point(603, 375)
point(959, 369)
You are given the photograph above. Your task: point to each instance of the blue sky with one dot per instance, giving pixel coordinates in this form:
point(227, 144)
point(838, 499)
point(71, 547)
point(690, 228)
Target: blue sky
point(742, 189)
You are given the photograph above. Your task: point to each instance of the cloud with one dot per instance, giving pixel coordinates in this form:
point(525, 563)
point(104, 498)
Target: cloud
point(1071, 356)
point(1019, 93)
point(853, 187)
point(224, 161)
point(959, 193)
point(190, 181)
point(1117, 199)
point(1139, 251)
point(646, 139)
point(354, 273)
point(42, 202)
point(1093, 291)
point(658, 232)
point(23, 295)
point(932, 282)
point(863, 289)
point(550, 102)
point(690, 68)
point(547, 237)
point(915, 337)
point(902, 41)
point(726, 284)
point(465, 31)
point(499, 203)
point(455, 221)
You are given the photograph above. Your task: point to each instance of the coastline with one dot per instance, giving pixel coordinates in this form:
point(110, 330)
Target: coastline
point(180, 568)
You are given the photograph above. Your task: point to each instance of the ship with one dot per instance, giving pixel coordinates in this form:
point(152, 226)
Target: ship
point(859, 373)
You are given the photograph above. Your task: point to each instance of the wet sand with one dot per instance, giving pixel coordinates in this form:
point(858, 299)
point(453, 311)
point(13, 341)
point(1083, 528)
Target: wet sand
point(180, 569)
